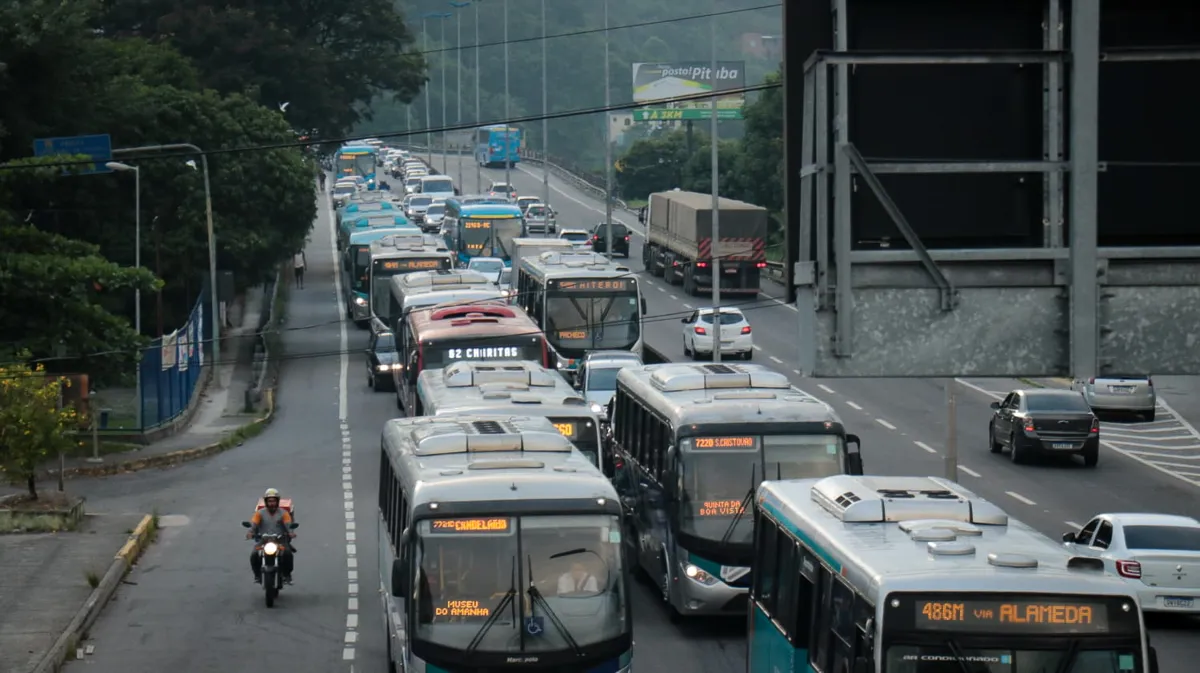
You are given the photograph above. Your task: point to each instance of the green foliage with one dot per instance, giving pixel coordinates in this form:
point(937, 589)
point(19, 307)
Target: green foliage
point(32, 426)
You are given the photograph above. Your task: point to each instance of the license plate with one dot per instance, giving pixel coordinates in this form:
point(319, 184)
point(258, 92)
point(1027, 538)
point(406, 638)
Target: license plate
point(1062, 445)
point(1121, 390)
point(1176, 602)
point(731, 270)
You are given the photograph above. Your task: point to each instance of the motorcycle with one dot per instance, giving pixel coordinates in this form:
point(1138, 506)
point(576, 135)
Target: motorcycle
point(270, 547)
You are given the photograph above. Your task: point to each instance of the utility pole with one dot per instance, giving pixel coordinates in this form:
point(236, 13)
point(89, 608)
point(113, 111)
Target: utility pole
point(425, 50)
point(716, 198)
point(458, 82)
point(442, 58)
point(545, 122)
point(507, 128)
point(608, 160)
point(478, 168)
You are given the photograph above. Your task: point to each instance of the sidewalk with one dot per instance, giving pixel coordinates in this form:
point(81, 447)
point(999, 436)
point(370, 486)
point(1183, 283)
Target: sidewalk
point(46, 581)
point(221, 408)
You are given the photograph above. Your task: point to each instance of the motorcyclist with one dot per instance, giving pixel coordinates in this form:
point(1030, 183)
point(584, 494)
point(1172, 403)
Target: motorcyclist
point(272, 519)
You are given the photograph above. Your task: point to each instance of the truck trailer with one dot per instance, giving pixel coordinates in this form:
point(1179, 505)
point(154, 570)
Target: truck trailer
point(679, 245)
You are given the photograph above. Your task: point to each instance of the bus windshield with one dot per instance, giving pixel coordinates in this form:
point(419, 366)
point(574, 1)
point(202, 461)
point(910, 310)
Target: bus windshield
point(718, 472)
point(383, 269)
point(489, 237)
point(355, 164)
point(1089, 657)
point(578, 322)
point(564, 574)
point(584, 433)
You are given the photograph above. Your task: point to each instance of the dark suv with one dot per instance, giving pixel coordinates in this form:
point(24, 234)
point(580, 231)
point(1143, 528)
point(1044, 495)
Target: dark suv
point(620, 236)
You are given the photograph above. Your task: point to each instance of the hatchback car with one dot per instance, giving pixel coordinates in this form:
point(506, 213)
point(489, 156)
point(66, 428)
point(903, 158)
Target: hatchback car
point(736, 336)
point(597, 376)
point(502, 189)
point(540, 218)
point(1158, 554)
point(1128, 393)
point(580, 239)
point(381, 357)
point(620, 236)
point(523, 202)
point(1044, 421)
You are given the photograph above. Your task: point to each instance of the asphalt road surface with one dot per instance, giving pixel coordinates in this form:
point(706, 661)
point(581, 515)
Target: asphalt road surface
point(191, 605)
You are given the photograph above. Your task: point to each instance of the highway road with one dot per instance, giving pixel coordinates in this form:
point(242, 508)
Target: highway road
point(190, 605)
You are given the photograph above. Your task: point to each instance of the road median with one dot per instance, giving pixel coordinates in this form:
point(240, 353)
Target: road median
point(67, 646)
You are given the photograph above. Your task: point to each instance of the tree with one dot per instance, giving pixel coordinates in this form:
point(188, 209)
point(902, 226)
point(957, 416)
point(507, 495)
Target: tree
point(33, 427)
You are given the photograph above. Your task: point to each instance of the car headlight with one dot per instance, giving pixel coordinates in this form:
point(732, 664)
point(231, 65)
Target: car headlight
point(698, 575)
point(370, 182)
point(270, 549)
point(384, 368)
point(359, 301)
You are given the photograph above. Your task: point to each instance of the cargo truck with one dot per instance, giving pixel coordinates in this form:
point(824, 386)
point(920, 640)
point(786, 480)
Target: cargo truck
point(679, 245)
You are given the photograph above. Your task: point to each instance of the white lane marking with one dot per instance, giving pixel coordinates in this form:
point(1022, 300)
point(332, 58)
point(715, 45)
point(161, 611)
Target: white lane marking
point(1138, 430)
point(826, 388)
point(687, 306)
point(885, 424)
point(853, 405)
point(969, 471)
point(672, 296)
point(1072, 524)
point(757, 347)
point(1126, 435)
point(776, 360)
point(1132, 455)
point(1161, 447)
point(1017, 496)
point(659, 288)
point(351, 621)
point(925, 446)
point(344, 422)
point(796, 372)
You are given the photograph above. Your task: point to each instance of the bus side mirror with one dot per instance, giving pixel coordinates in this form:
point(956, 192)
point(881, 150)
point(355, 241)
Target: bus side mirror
point(1152, 656)
point(854, 462)
point(1069, 537)
point(399, 579)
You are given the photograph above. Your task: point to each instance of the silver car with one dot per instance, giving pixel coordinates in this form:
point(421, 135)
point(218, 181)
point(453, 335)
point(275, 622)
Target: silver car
point(597, 377)
point(1130, 393)
point(540, 218)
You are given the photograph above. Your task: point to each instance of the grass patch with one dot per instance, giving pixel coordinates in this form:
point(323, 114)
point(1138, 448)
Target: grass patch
point(636, 203)
point(152, 528)
point(92, 578)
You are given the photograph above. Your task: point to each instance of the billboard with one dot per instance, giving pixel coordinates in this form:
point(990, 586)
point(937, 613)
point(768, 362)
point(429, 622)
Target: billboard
point(655, 82)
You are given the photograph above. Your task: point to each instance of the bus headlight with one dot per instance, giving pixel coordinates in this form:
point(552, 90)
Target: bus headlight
point(699, 576)
point(360, 302)
point(597, 409)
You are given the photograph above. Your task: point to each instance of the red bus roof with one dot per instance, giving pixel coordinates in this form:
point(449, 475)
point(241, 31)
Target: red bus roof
point(482, 319)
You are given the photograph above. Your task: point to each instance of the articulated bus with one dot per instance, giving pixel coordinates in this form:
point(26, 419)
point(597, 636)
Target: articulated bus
point(357, 159)
point(396, 255)
point(356, 269)
point(691, 444)
point(497, 144)
point(499, 550)
point(509, 388)
point(583, 302)
point(444, 334)
point(482, 229)
point(919, 575)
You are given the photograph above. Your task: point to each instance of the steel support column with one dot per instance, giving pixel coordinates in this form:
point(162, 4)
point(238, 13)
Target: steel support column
point(1085, 159)
point(1052, 123)
point(842, 191)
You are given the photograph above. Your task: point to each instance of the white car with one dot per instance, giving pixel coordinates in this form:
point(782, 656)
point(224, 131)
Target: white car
point(580, 239)
point(501, 189)
point(540, 218)
point(488, 266)
point(1158, 554)
point(523, 202)
point(736, 335)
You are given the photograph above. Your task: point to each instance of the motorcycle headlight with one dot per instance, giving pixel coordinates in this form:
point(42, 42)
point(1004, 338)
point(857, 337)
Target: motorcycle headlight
point(270, 549)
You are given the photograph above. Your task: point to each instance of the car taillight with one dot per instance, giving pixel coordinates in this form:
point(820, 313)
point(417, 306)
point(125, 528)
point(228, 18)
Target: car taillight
point(1028, 426)
point(1149, 381)
point(1095, 425)
point(746, 329)
point(596, 237)
point(699, 330)
point(760, 265)
point(702, 264)
point(1130, 569)
point(626, 238)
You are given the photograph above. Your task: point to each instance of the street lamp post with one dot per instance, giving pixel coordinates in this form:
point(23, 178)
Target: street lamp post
point(608, 160)
point(458, 81)
point(214, 303)
point(716, 198)
point(425, 51)
point(478, 168)
point(137, 262)
point(507, 128)
point(545, 120)
point(442, 58)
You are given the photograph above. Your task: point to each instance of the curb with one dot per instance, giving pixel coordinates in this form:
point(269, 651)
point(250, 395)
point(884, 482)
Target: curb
point(182, 455)
point(87, 615)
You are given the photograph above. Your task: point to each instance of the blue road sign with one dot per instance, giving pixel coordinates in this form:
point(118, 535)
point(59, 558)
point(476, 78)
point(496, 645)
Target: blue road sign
point(98, 147)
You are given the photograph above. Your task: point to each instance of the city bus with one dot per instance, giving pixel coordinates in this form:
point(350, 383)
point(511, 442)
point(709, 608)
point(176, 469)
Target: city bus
point(496, 144)
point(396, 255)
point(444, 334)
point(356, 267)
point(691, 443)
point(366, 202)
point(508, 388)
point(499, 550)
point(482, 229)
point(376, 219)
point(357, 159)
point(427, 288)
point(919, 575)
point(582, 302)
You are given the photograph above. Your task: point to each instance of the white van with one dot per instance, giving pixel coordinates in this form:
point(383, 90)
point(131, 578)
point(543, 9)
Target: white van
point(436, 185)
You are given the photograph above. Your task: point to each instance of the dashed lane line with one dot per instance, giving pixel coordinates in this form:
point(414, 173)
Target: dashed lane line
point(826, 388)
point(973, 473)
point(796, 372)
point(853, 405)
point(776, 360)
point(885, 424)
point(1072, 524)
point(925, 446)
point(672, 296)
point(757, 347)
point(1020, 498)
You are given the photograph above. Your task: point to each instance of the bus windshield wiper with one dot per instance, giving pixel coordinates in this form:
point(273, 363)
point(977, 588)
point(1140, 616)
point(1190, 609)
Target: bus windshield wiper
point(957, 653)
point(1068, 657)
point(737, 517)
point(536, 597)
point(506, 600)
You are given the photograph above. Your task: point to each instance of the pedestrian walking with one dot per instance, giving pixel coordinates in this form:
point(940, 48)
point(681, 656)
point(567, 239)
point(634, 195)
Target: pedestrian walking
point(299, 263)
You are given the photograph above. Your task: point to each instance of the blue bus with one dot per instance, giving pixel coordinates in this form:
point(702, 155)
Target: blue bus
point(357, 159)
point(482, 230)
point(357, 263)
point(496, 144)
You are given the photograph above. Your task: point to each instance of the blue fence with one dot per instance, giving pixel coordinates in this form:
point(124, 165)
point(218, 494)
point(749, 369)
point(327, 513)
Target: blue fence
point(171, 369)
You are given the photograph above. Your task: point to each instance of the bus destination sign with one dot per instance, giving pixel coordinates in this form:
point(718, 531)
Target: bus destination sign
point(461, 609)
point(410, 264)
point(490, 525)
point(719, 443)
point(720, 508)
point(1012, 616)
point(598, 285)
point(477, 224)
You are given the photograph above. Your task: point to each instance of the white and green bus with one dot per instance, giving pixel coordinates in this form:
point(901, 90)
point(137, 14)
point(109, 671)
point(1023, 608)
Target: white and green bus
point(396, 256)
point(499, 549)
point(507, 388)
point(583, 302)
point(690, 444)
point(857, 574)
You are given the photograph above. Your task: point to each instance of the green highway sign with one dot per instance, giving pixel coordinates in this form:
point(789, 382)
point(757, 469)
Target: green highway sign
point(683, 114)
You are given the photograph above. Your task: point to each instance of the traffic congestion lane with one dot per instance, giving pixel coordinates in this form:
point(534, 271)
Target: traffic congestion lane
point(189, 604)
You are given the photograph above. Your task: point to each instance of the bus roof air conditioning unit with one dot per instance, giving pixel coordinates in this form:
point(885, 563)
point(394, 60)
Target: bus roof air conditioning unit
point(862, 499)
